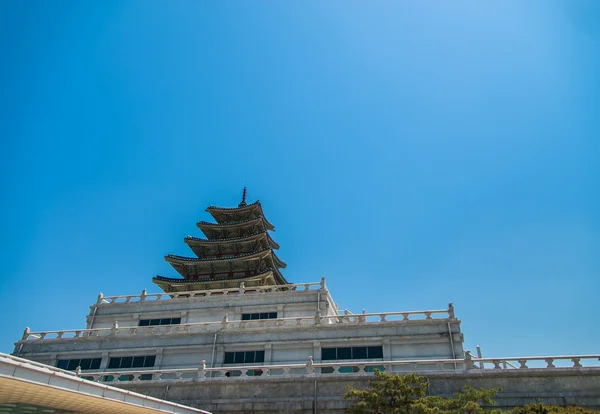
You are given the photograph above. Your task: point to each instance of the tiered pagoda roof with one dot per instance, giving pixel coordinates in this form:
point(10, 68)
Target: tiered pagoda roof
point(237, 248)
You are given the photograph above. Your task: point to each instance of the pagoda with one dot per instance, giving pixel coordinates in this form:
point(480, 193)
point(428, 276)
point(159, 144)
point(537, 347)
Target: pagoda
point(237, 248)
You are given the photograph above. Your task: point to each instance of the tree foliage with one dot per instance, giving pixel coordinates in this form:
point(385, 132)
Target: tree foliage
point(407, 394)
point(540, 408)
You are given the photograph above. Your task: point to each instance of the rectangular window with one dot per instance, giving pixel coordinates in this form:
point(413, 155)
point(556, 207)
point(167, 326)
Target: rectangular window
point(72, 364)
point(164, 321)
point(355, 352)
point(244, 357)
point(261, 315)
point(132, 362)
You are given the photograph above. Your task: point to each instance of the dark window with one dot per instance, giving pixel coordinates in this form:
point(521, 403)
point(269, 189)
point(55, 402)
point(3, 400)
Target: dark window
point(228, 358)
point(375, 351)
point(261, 315)
point(72, 364)
point(359, 352)
point(328, 354)
point(138, 362)
point(355, 352)
point(126, 362)
point(164, 321)
point(344, 353)
point(244, 357)
point(132, 362)
point(114, 362)
point(238, 358)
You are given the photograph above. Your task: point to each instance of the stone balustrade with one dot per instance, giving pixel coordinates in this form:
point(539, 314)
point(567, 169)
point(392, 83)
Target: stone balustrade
point(202, 327)
point(287, 370)
point(332, 368)
point(534, 362)
point(144, 296)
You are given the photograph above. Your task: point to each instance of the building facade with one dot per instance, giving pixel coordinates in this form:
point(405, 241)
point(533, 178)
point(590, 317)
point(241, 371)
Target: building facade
point(232, 318)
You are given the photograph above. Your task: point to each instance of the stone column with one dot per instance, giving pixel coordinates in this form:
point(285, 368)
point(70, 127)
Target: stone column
point(268, 354)
point(104, 361)
point(159, 357)
point(317, 352)
point(387, 349)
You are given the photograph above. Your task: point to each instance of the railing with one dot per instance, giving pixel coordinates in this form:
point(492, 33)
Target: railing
point(332, 368)
point(285, 371)
point(561, 361)
point(144, 296)
point(202, 327)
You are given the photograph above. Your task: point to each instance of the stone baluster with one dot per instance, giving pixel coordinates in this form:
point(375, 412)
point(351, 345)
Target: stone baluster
point(225, 321)
point(469, 360)
point(242, 288)
point(405, 316)
point(361, 369)
point(318, 317)
point(78, 370)
point(427, 315)
point(157, 376)
point(43, 335)
point(178, 374)
point(336, 369)
point(60, 334)
point(496, 363)
point(26, 333)
point(115, 327)
point(550, 362)
point(451, 310)
point(286, 371)
point(576, 363)
point(382, 317)
point(523, 364)
point(77, 334)
point(201, 370)
point(323, 285)
point(362, 318)
point(143, 295)
point(310, 369)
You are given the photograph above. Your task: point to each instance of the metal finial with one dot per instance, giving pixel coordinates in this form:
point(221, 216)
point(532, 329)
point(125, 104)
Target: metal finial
point(243, 203)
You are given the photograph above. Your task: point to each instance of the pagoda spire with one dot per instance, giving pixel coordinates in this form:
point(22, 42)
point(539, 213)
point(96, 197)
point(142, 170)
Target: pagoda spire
point(243, 203)
point(237, 248)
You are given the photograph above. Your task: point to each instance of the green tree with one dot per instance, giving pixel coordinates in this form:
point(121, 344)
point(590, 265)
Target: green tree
point(540, 408)
point(407, 394)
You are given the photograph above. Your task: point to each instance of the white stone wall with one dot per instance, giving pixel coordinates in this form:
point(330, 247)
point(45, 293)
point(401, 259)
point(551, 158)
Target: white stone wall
point(285, 341)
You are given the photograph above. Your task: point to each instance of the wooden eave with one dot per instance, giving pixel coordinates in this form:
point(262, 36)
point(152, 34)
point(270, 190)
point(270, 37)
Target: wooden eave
point(182, 260)
point(206, 225)
point(225, 214)
point(221, 214)
point(195, 241)
point(184, 285)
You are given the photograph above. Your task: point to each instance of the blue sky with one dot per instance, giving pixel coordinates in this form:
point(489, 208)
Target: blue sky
point(415, 153)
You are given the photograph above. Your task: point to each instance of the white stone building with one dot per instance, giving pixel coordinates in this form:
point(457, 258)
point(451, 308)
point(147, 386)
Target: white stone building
point(234, 319)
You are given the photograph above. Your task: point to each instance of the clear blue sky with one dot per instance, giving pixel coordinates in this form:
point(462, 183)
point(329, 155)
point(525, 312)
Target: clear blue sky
point(415, 153)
